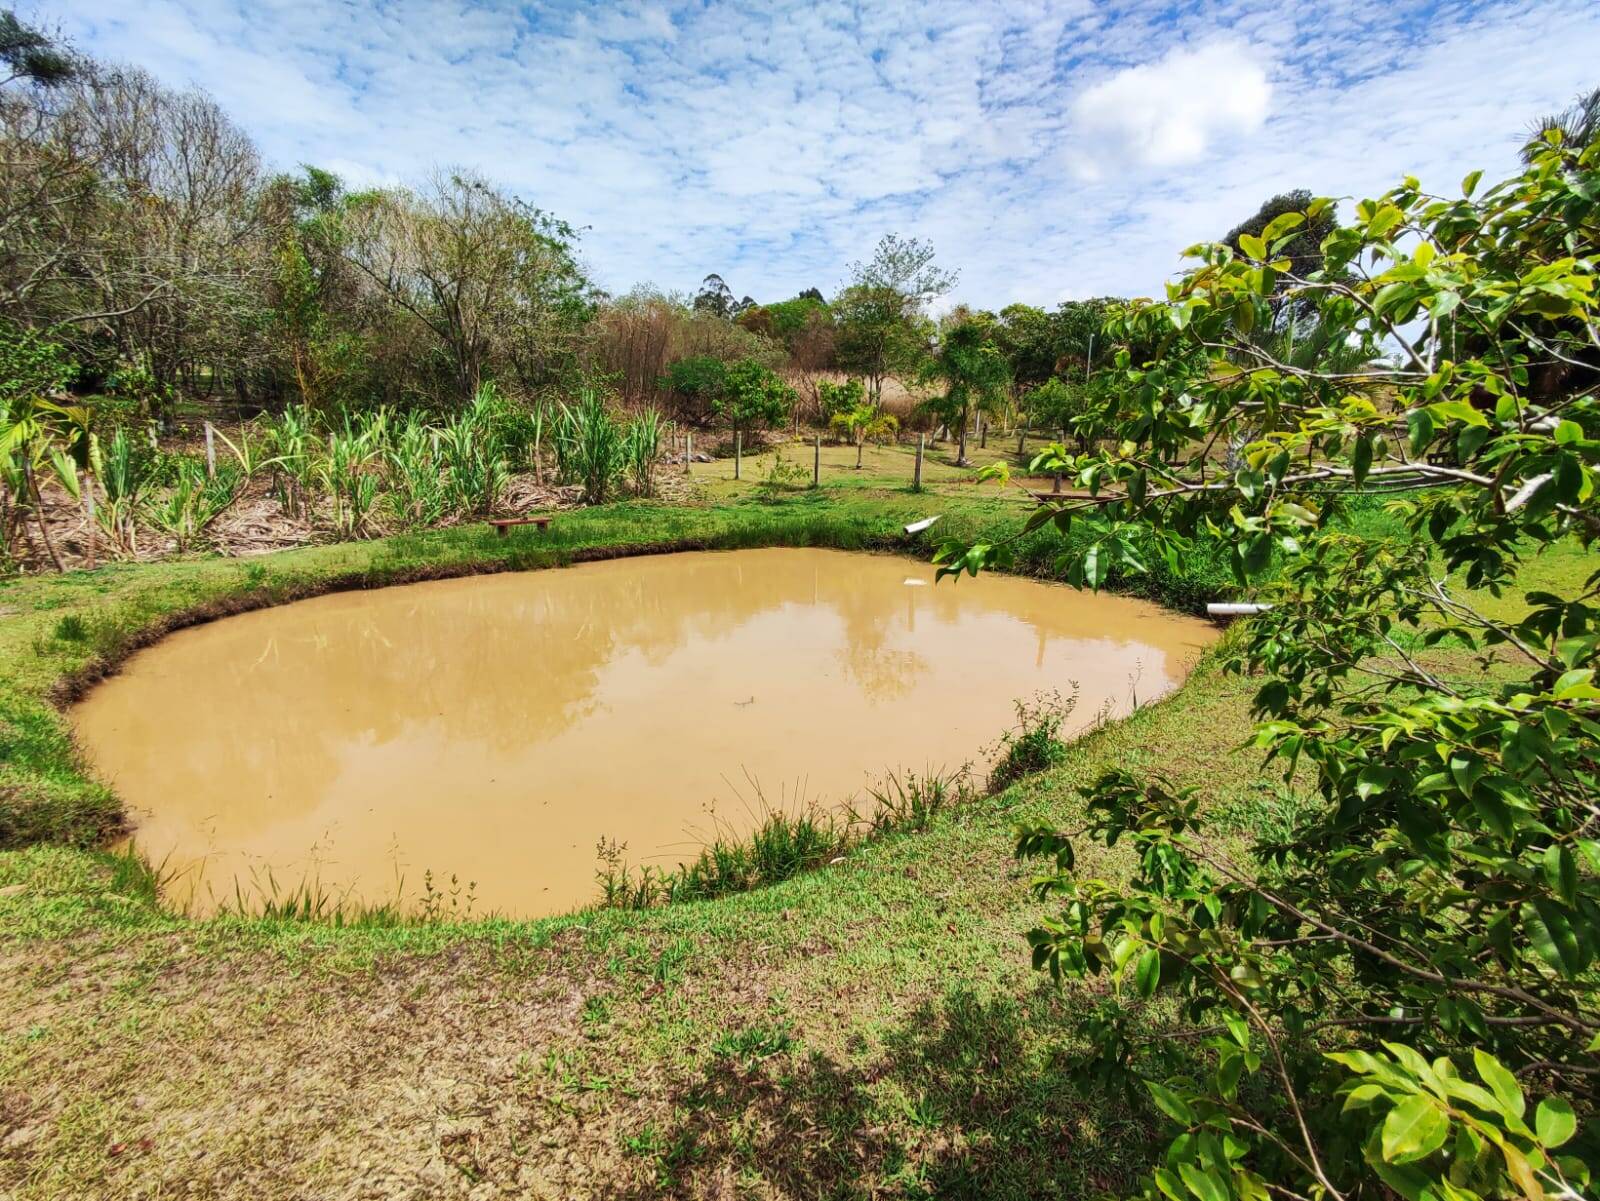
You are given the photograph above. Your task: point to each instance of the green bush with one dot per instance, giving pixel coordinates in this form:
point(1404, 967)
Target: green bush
point(754, 397)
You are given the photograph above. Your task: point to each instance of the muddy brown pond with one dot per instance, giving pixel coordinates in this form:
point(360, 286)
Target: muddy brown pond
point(497, 728)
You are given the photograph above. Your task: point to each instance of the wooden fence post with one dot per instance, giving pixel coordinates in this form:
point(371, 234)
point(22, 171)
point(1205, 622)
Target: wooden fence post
point(983, 433)
point(916, 479)
point(738, 452)
point(816, 463)
point(211, 454)
point(688, 452)
point(1022, 438)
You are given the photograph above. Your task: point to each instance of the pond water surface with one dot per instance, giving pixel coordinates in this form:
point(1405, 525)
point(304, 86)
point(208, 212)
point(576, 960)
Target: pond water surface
point(496, 728)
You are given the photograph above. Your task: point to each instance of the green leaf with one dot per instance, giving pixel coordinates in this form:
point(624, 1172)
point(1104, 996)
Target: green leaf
point(1457, 410)
point(1469, 185)
point(1553, 935)
point(1169, 1185)
point(1362, 1095)
point(1501, 1083)
point(1420, 425)
point(1238, 1027)
point(1253, 246)
point(1413, 1130)
point(1096, 565)
point(1361, 458)
point(1575, 685)
point(1384, 222)
point(1169, 1103)
point(1561, 870)
point(1203, 1182)
point(1554, 1122)
point(1147, 975)
point(1282, 224)
point(1373, 779)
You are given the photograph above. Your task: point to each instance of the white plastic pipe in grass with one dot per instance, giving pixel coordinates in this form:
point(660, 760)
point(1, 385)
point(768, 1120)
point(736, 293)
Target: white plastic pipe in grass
point(916, 527)
point(1235, 609)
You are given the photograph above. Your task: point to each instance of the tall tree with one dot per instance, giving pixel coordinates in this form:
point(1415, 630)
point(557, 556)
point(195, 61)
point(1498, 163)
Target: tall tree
point(29, 53)
point(1303, 249)
point(491, 278)
point(972, 372)
point(715, 297)
point(879, 314)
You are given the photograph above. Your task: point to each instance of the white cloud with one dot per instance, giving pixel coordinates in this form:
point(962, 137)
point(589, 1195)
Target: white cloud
point(1169, 113)
point(1047, 147)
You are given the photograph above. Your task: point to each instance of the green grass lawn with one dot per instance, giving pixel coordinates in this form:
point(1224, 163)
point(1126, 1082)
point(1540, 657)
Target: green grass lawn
point(871, 1029)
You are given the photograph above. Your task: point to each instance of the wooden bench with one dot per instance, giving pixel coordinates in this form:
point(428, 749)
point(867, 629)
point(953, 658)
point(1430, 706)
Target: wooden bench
point(502, 525)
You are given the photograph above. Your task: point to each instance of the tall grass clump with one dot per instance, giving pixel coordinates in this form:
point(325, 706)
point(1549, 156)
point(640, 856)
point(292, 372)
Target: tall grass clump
point(123, 477)
point(589, 446)
point(783, 843)
point(641, 448)
point(194, 500)
point(311, 902)
point(348, 469)
point(1034, 744)
point(474, 455)
point(910, 800)
point(416, 495)
point(523, 431)
point(291, 441)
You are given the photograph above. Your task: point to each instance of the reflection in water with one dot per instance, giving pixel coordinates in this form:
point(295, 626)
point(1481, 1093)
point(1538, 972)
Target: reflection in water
point(497, 727)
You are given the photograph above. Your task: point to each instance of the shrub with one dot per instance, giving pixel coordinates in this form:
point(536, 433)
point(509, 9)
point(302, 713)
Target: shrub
point(833, 398)
point(754, 397)
point(696, 385)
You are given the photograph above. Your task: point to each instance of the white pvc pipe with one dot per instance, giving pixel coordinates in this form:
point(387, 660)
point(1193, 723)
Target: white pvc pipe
point(1235, 610)
point(916, 527)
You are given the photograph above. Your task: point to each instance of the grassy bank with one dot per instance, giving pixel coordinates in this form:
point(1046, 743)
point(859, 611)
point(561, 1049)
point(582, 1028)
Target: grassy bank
point(870, 1029)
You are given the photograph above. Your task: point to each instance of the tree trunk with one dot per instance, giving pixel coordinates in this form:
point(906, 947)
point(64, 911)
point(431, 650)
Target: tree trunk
point(860, 445)
point(38, 508)
point(88, 514)
point(961, 448)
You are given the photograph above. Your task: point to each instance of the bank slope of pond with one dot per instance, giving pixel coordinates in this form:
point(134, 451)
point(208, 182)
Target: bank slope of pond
point(871, 1029)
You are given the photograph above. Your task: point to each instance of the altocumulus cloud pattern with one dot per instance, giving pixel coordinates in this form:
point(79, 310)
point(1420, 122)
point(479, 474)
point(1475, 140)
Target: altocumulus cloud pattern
point(1050, 150)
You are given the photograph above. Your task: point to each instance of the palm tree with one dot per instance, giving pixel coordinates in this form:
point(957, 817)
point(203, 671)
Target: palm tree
point(1579, 125)
point(864, 421)
point(974, 374)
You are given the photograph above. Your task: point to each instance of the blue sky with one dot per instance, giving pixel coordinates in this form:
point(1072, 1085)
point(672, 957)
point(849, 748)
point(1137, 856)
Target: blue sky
point(1049, 150)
